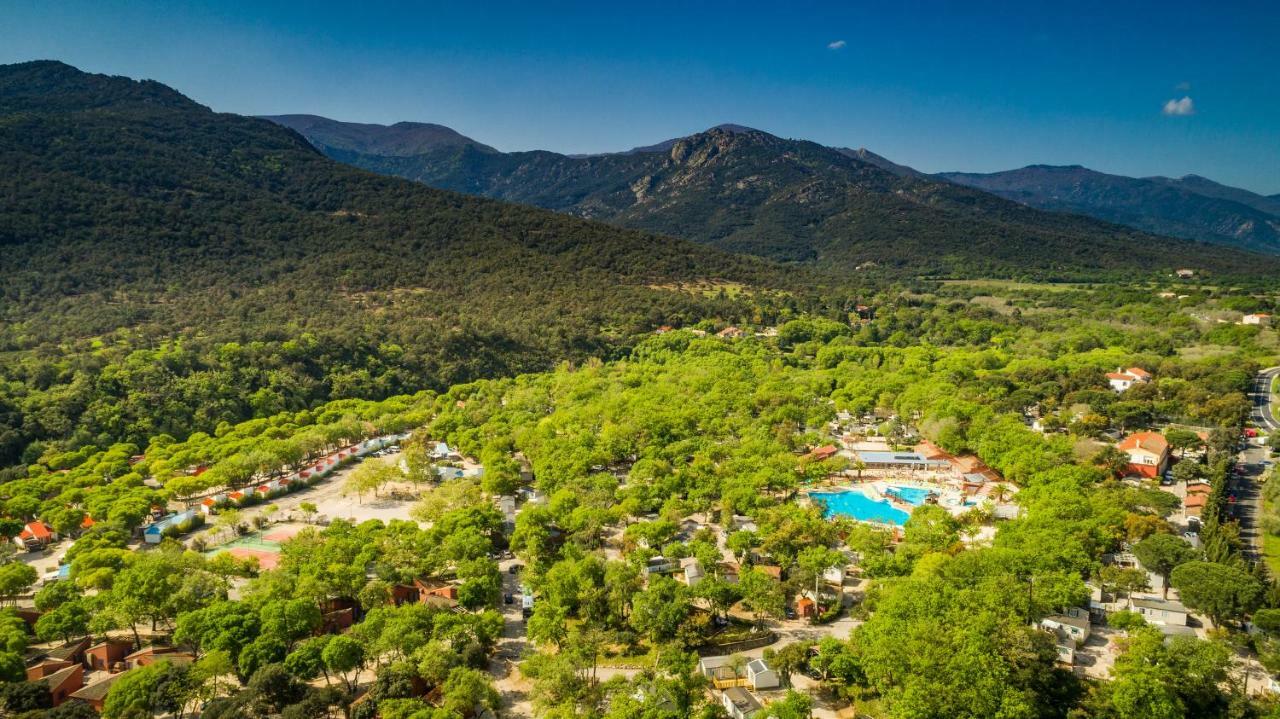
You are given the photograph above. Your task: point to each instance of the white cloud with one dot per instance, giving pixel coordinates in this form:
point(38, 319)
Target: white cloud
point(836, 45)
point(1180, 107)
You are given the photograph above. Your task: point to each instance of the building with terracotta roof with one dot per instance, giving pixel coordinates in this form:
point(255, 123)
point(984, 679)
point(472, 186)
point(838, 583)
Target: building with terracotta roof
point(63, 683)
point(1148, 453)
point(36, 535)
point(1122, 379)
point(1193, 505)
point(95, 695)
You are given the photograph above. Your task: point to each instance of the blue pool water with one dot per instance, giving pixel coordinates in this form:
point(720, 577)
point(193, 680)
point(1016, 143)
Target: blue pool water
point(910, 495)
point(859, 506)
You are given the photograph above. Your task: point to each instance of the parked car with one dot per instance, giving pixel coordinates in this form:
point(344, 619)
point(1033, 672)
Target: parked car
point(508, 599)
point(513, 569)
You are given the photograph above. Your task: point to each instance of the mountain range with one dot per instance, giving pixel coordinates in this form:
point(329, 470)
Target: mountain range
point(1191, 207)
point(748, 191)
point(131, 209)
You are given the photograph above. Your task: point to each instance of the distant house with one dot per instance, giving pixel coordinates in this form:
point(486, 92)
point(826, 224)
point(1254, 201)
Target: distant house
point(731, 333)
point(1161, 611)
point(739, 703)
point(1185, 274)
point(1148, 453)
point(821, 453)
point(1122, 379)
point(1259, 318)
point(660, 565)
point(36, 535)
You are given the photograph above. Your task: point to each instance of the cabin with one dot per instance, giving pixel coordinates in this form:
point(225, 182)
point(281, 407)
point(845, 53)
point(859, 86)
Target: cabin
point(731, 332)
point(691, 571)
point(1161, 611)
point(1072, 625)
point(740, 703)
point(761, 676)
point(1261, 319)
point(209, 505)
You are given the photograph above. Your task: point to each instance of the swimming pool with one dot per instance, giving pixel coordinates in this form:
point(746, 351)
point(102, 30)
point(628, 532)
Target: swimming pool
point(910, 495)
point(859, 506)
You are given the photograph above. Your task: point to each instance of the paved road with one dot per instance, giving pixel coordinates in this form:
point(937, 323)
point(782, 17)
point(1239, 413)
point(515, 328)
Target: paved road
point(1245, 487)
point(1263, 412)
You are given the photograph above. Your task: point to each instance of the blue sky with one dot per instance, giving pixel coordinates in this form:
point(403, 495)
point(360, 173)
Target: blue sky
point(937, 85)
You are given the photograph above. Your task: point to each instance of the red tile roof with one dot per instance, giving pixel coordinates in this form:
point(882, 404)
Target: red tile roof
point(1153, 442)
point(36, 530)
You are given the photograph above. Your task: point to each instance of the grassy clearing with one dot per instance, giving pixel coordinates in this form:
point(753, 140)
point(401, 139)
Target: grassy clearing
point(1016, 285)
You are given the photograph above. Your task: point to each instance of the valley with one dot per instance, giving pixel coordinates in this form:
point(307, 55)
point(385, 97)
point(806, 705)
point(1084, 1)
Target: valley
point(313, 419)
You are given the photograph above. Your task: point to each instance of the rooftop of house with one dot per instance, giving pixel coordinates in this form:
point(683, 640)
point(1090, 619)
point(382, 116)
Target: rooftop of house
point(57, 678)
point(1080, 622)
point(756, 666)
point(742, 699)
point(1153, 442)
point(96, 691)
point(1167, 605)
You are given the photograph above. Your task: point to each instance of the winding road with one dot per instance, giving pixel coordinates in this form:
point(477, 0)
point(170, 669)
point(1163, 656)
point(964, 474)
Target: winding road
point(1246, 485)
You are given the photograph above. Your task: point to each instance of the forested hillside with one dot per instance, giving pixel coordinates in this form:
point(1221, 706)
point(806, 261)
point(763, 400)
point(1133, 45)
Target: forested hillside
point(749, 191)
point(167, 268)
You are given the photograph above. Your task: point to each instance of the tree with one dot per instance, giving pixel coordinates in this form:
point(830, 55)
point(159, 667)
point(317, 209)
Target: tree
point(306, 661)
point(262, 651)
point(762, 593)
point(1115, 462)
point(815, 561)
point(660, 609)
point(17, 696)
point(1216, 590)
point(344, 656)
point(548, 625)
point(66, 621)
point(788, 660)
point(1162, 553)
point(15, 579)
point(371, 476)
point(290, 619)
point(793, 706)
point(146, 691)
point(1186, 471)
point(1183, 440)
point(309, 511)
point(465, 690)
point(208, 670)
